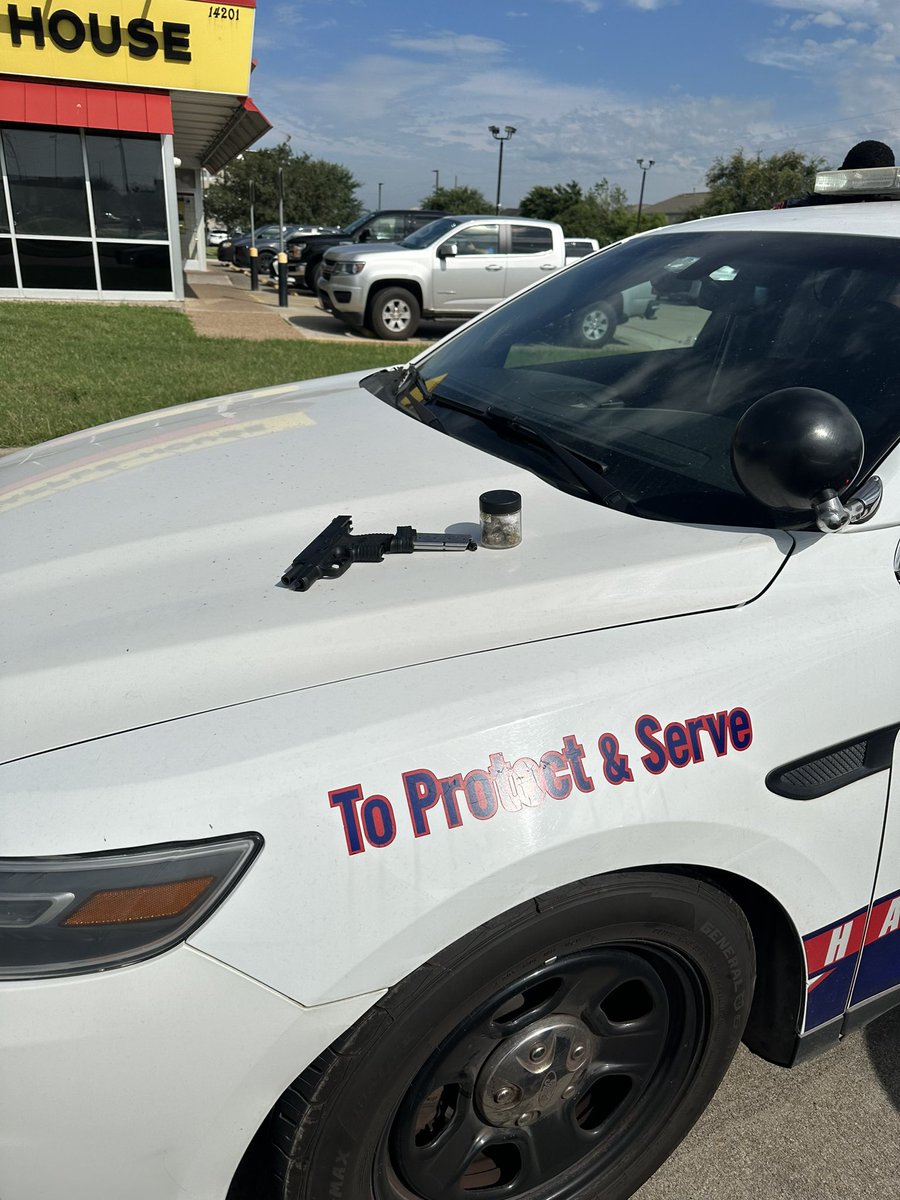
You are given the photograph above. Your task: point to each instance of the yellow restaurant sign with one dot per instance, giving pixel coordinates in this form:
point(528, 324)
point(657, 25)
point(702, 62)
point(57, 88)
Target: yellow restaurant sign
point(186, 44)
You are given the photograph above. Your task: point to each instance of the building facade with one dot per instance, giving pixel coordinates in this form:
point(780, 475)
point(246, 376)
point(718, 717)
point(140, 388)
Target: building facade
point(110, 110)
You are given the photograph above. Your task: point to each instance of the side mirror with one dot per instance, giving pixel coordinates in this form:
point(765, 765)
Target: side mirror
point(448, 250)
point(797, 450)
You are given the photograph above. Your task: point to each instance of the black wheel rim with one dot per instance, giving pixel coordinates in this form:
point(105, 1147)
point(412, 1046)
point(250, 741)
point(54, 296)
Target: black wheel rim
point(620, 1030)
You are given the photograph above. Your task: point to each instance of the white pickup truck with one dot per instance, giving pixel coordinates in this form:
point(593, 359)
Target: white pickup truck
point(453, 267)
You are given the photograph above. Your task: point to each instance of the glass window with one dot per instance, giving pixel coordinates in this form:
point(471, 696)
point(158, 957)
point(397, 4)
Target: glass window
point(579, 249)
point(417, 220)
point(52, 264)
point(127, 186)
point(134, 268)
point(384, 229)
point(7, 266)
point(643, 360)
point(4, 217)
point(531, 239)
point(46, 182)
point(430, 233)
point(477, 239)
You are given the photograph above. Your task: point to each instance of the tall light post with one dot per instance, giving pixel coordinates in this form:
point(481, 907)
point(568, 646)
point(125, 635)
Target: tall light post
point(287, 145)
point(380, 186)
point(501, 138)
point(644, 170)
point(437, 178)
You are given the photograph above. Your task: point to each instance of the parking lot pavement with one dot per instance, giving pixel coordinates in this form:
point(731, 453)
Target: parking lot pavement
point(826, 1130)
point(219, 296)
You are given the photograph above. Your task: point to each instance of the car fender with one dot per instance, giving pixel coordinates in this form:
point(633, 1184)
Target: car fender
point(364, 875)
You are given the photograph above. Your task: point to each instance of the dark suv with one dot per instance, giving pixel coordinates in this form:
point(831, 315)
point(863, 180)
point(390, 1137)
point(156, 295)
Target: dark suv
point(305, 251)
point(268, 243)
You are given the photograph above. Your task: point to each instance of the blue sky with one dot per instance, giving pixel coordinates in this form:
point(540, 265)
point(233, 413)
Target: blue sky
point(397, 89)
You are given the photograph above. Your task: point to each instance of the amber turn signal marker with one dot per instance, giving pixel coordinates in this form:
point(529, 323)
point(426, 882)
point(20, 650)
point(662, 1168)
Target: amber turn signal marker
point(122, 905)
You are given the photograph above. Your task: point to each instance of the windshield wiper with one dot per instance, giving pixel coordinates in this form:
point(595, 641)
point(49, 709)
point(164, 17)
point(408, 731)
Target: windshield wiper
point(589, 475)
point(403, 388)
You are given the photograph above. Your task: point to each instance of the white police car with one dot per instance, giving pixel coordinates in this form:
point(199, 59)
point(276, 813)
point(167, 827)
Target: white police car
point(461, 874)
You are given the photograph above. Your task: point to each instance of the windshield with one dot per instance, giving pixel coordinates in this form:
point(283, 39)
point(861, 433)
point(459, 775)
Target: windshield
point(644, 357)
point(430, 233)
point(358, 223)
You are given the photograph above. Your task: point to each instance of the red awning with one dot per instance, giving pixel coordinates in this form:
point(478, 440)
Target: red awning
point(131, 110)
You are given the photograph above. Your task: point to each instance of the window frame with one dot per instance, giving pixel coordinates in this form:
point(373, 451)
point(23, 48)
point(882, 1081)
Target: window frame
point(91, 239)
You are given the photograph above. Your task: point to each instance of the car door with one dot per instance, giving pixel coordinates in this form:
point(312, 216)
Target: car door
point(879, 964)
point(474, 277)
point(531, 255)
point(855, 957)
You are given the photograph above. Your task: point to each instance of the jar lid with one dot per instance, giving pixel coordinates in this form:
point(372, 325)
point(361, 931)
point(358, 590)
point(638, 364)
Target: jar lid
point(499, 502)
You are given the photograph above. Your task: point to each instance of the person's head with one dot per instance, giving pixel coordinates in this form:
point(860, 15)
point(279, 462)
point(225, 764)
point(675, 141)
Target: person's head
point(868, 154)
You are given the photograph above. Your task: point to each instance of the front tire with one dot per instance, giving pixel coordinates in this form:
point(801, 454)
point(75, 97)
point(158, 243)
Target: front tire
point(394, 315)
point(312, 275)
point(559, 1052)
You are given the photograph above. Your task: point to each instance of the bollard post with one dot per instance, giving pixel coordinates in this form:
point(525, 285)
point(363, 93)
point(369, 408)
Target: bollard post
point(254, 268)
point(282, 280)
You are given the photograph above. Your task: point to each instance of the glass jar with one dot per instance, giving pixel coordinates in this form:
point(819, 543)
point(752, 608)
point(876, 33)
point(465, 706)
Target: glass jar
point(501, 519)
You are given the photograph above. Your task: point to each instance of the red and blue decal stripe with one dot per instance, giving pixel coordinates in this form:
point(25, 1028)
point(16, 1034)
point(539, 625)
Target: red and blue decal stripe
point(863, 945)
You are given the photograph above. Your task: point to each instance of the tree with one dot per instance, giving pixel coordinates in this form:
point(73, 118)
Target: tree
point(740, 184)
point(557, 203)
point(461, 200)
point(315, 192)
point(602, 212)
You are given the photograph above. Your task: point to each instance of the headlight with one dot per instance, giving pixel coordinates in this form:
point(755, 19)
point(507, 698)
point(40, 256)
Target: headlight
point(346, 268)
point(68, 915)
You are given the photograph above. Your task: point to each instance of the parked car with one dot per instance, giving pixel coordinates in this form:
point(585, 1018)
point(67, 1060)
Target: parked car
point(577, 248)
point(382, 869)
point(215, 237)
point(268, 247)
point(265, 233)
point(305, 253)
point(453, 267)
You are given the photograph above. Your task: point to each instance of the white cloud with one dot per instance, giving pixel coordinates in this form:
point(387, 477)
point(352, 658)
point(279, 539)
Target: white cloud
point(563, 131)
point(849, 47)
point(588, 6)
point(830, 20)
point(447, 43)
point(426, 99)
point(651, 5)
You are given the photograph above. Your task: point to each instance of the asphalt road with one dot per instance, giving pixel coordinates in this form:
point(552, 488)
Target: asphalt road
point(303, 311)
point(826, 1130)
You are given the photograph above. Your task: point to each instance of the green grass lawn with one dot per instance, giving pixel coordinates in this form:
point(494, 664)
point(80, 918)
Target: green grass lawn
point(67, 366)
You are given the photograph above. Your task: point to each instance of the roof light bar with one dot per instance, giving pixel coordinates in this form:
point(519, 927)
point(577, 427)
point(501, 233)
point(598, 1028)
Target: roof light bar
point(871, 181)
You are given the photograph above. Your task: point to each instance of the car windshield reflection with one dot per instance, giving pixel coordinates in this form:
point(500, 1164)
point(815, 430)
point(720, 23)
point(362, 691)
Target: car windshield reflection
point(645, 357)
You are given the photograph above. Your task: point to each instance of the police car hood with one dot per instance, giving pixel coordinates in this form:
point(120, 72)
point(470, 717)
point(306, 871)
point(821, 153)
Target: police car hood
point(142, 560)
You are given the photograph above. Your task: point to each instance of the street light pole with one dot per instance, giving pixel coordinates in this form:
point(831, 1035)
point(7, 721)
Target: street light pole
point(501, 138)
point(437, 179)
point(380, 186)
point(254, 250)
point(644, 170)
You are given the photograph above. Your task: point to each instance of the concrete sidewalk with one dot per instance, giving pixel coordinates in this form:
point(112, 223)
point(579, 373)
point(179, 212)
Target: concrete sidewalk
point(220, 303)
